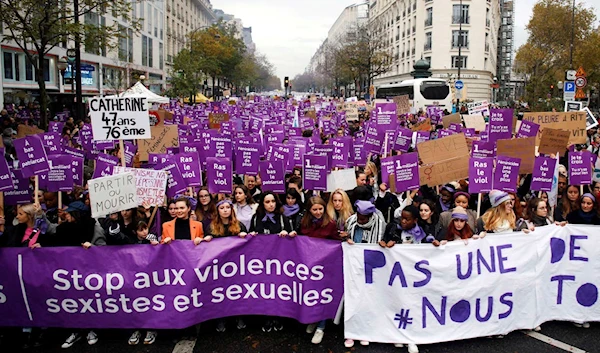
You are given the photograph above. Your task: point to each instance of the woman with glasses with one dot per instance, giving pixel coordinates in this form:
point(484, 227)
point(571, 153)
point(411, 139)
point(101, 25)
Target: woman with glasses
point(501, 217)
point(536, 213)
point(206, 210)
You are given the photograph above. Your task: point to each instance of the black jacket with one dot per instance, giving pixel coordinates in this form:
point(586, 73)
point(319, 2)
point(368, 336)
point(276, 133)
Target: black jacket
point(575, 218)
point(281, 223)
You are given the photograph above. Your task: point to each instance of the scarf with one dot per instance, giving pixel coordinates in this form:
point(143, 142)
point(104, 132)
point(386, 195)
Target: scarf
point(372, 231)
point(445, 207)
point(269, 216)
point(290, 210)
point(539, 221)
point(416, 232)
point(586, 216)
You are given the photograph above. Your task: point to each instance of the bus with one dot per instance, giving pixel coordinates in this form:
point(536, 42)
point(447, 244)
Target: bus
point(422, 92)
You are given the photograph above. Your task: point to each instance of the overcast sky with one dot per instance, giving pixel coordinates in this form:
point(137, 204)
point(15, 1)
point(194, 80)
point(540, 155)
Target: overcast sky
point(289, 32)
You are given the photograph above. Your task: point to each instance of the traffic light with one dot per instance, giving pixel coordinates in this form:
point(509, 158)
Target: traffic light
point(286, 82)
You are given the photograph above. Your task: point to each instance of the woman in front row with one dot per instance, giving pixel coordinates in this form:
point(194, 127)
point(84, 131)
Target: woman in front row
point(182, 227)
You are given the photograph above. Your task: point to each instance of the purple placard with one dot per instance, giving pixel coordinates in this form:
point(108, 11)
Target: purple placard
point(158, 158)
point(403, 139)
point(246, 159)
point(315, 172)
point(104, 144)
point(341, 152)
point(445, 133)
point(298, 150)
point(482, 149)
point(130, 151)
point(456, 127)
point(543, 173)
point(373, 139)
point(52, 143)
point(175, 182)
point(388, 166)
point(219, 175)
point(273, 176)
point(481, 172)
point(500, 125)
point(31, 155)
point(422, 136)
point(360, 155)
point(387, 118)
point(528, 129)
point(189, 168)
point(21, 193)
point(104, 165)
point(506, 173)
point(407, 172)
point(220, 146)
point(580, 168)
point(469, 132)
point(6, 182)
point(55, 126)
point(60, 175)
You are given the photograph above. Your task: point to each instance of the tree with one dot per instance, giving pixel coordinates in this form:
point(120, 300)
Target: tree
point(546, 55)
point(37, 26)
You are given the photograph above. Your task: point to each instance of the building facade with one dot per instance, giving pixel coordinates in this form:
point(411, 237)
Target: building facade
point(438, 30)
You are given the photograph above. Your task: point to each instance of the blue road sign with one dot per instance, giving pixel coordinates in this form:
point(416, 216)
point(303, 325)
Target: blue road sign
point(570, 86)
point(459, 84)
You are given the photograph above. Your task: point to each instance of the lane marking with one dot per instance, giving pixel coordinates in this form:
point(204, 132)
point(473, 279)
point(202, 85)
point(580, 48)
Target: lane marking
point(551, 341)
point(20, 269)
point(185, 346)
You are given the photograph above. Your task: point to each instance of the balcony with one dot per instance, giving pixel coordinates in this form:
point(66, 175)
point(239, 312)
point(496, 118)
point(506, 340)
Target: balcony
point(397, 37)
point(428, 22)
point(487, 48)
point(458, 19)
point(427, 47)
point(456, 44)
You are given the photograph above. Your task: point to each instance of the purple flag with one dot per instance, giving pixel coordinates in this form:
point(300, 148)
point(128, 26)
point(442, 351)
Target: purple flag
point(580, 168)
point(60, 175)
point(21, 193)
point(482, 149)
point(528, 129)
point(506, 173)
point(31, 155)
point(60, 282)
point(52, 143)
point(273, 176)
point(175, 182)
point(481, 172)
point(543, 173)
point(219, 175)
point(407, 172)
point(6, 182)
point(315, 172)
point(189, 168)
point(500, 125)
point(247, 158)
point(403, 139)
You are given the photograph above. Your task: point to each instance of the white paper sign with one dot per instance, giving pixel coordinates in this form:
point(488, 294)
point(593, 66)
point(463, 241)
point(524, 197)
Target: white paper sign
point(479, 108)
point(505, 282)
point(344, 179)
point(150, 184)
point(590, 119)
point(120, 118)
point(112, 194)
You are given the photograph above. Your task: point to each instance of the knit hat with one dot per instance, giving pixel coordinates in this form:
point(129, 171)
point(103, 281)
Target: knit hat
point(462, 193)
point(365, 208)
point(459, 213)
point(497, 197)
point(562, 170)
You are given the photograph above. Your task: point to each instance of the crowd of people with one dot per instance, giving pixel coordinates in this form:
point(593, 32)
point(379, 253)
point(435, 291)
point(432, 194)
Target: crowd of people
point(367, 214)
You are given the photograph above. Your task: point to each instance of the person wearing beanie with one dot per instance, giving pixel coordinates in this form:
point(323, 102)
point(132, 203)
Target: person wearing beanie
point(501, 217)
point(461, 199)
point(365, 226)
point(587, 212)
point(459, 228)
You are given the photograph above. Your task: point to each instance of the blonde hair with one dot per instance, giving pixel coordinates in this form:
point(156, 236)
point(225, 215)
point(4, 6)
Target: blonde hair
point(28, 208)
point(372, 167)
point(346, 210)
point(495, 216)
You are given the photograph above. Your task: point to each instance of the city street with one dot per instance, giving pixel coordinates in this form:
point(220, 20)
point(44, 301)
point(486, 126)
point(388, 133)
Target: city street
point(563, 336)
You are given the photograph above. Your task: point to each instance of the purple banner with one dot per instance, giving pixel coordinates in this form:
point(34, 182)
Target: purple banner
point(528, 129)
point(481, 172)
point(500, 125)
point(263, 275)
point(580, 168)
point(315, 172)
point(247, 158)
point(219, 174)
point(273, 176)
point(543, 173)
point(31, 155)
point(506, 173)
point(407, 172)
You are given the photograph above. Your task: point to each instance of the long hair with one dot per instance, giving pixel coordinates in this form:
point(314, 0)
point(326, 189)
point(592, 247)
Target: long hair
point(454, 233)
point(249, 199)
point(211, 212)
point(569, 206)
point(532, 205)
point(346, 210)
point(307, 220)
point(435, 217)
point(517, 208)
point(217, 227)
point(494, 217)
point(261, 212)
point(372, 167)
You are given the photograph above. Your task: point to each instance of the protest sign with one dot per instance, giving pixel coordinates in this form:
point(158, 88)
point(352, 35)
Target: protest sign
point(403, 139)
point(374, 139)
point(219, 173)
point(442, 149)
point(573, 106)
point(386, 115)
point(554, 141)
point(580, 169)
point(506, 173)
point(150, 184)
point(451, 119)
point(500, 284)
point(112, 194)
point(315, 172)
point(104, 165)
point(483, 149)
point(215, 120)
point(272, 175)
point(247, 158)
point(220, 146)
point(6, 182)
point(52, 143)
point(402, 104)
point(359, 155)
point(119, 118)
point(481, 108)
point(31, 155)
point(590, 119)
point(476, 122)
point(341, 152)
point(423, 125)
point(344, 179)
point(406, 169)
point(527, 129)
point(500, 124)
point(20, 194)
point(421, 136)
point(247, 280)
point(480, 174)
point(387, 167)
point(26, 130)
point(444, 171)
point(175, 182)
point(190, 168)
point(162, 137)
point(523, 149)
point(543, 173)
point(60, 174)
point(575, 122)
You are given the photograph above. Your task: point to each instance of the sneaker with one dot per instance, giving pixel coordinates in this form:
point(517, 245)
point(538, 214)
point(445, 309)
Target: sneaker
point(364, 343)
point(412, 348)
point(348, 343)
point(240, 323)
point(71, 340)
point(318, 337)
point(221, 326)
point(150, 337)
point(311, 328)
point(398, 345)
point(92, 338)
point(268, 326)
point(277, 326)
point(135, 338)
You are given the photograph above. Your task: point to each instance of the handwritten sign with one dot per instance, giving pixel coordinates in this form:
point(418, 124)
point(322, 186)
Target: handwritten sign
point(447, 120)
point(112, 194)
point(150, 184)
point(402, 104)
point(476, 122)
point(162, 137)
point(523, 149)
point(433, 151)
point(423, 125)
point(553, 141)
point(119, 118)
point(215, 120)
point(482, 108)
point(575, 122)
point(444, 171)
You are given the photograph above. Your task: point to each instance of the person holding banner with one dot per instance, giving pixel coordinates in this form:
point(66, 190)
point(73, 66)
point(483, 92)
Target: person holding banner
point(429, 219)
point(446, 196)
point(459, 228)
point(536, 213)
point(31, 230)
point(206, 210)
point(293, 207)
point(365, 226)
point(77, 228)
point(251, 184)
point(568, 203)
point(405, 230)
point(269, 219)
point(587, 212)
point(244, 205)
point(461, 199)
point(339, 210)
point(226, 223)
point(182, 227)
point(500, 218)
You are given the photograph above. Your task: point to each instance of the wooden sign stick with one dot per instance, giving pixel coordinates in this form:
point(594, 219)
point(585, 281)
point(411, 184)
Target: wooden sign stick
point(122, 150)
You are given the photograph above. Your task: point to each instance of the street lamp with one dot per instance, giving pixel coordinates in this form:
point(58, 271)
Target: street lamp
point(62, 65)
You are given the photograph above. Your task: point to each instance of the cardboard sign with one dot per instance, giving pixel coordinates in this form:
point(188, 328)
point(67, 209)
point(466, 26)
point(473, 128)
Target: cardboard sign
point(162, 137)
point(215, 120)
point(575, 122)
point(476, 122)
point(150, 184)
point(119, 118)
point(449, 147)
point(26, 130)
point(402, 104)
point(444, 171)
point(423, 125)
point(553, 141)
point(524, 149)
point(447, 120)
point(112, 194)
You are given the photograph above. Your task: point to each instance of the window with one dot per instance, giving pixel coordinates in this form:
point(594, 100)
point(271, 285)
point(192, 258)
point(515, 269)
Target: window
point(156, 21)
point(149, 15)
point(459, 61)
point(160, 56)
point(130, 42)
point(429, 17)
point(434, 90)
point(28, 70)
point(144, 50)
point(150, 52)
point(428, 41)
point(460, 39)
point(8, 66)
point(460, 14)
point(161, 27)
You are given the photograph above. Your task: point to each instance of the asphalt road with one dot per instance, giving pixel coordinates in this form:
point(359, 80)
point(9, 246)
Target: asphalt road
point(294, 339)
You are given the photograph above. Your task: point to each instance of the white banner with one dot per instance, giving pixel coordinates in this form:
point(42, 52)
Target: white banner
point(422, 294)
point(120, 118)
